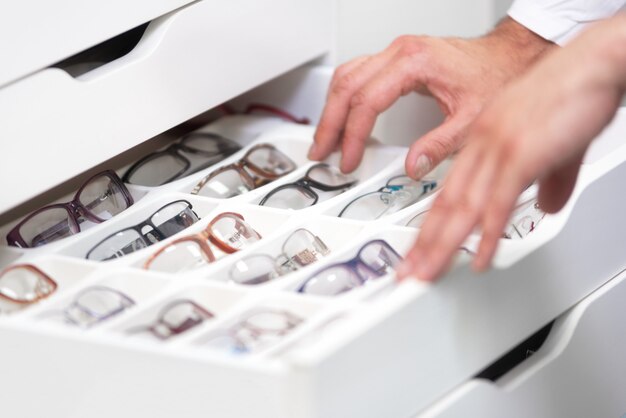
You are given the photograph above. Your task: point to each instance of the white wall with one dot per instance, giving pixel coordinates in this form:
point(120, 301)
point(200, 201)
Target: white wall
point(367, 26)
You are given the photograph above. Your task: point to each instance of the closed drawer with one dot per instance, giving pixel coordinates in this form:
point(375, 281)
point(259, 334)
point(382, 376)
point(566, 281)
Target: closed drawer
point(35, 34)
point(187, 62)
point(578, 372)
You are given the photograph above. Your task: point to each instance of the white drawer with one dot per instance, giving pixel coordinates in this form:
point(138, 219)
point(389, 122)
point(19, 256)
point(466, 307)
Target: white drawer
point(579, 371)
point(35, 34)
point(55, 126)
point(393, 351)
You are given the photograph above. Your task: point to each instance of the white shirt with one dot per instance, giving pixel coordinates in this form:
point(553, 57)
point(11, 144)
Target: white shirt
point(561, 20)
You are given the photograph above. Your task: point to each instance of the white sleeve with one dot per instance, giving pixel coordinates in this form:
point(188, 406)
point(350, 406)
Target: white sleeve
point(560, 20)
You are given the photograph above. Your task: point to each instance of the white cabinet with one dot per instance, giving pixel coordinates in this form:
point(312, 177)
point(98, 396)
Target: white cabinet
point(383, 350)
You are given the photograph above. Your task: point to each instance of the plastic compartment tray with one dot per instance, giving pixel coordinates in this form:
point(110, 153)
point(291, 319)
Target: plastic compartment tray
point(385, 349)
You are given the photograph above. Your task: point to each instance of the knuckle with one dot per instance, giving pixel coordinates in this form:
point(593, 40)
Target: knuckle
point(360, 100)
point(343, 84)
point(411, 46)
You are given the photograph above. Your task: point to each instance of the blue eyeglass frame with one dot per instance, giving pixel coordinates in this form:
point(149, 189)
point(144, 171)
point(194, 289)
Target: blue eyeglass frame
point(354, 263)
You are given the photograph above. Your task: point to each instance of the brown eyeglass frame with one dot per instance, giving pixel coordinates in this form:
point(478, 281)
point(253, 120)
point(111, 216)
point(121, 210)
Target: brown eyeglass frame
point(239, 166)
point(39, 273)
point(201, 239)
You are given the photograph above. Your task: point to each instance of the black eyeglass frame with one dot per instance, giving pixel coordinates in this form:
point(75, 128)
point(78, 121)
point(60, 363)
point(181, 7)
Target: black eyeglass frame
point(306, 185)
point(226, 148)
point(156, 232)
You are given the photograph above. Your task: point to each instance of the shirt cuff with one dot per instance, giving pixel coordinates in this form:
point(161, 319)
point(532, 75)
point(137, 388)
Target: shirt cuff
point(546, 23)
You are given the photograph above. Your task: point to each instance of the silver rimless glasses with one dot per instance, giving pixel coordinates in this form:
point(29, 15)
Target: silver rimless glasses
point(399, 193)
point(375, 259)
point(300, 249)
point(256, 330)
point(524, 220)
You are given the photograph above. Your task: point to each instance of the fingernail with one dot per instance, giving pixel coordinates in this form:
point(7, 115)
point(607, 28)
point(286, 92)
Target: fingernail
point(422, 166)
point(312, 151)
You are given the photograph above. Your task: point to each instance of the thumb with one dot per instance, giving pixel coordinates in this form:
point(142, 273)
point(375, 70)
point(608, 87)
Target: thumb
point(557, 187)
point(431, 149)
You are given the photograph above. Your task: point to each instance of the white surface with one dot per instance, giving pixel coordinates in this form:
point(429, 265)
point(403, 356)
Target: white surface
point(579, 372)
point(183, 66)
point(400, 347)
point(36, 34)
point(560, 21)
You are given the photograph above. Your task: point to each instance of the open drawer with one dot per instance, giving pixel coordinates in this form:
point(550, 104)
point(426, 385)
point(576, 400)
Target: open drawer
point(187, 62)
point(380, 350)
point(578, 372)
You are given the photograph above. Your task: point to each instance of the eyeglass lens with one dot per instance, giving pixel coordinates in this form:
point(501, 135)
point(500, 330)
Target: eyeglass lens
point(25, 285)
point(101, 199)
point(270, 161)
point(200, 151)
point(179, 317)
point(224, 185)
point(48, 226)
point(96, 304)
point(169, 220)
point(375, 259)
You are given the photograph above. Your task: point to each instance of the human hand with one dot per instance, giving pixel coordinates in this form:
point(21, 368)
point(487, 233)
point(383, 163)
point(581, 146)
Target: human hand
point(462, 75)
point(538, 128)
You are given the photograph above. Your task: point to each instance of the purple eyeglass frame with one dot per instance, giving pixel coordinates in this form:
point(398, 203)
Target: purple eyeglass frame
point(74, 208)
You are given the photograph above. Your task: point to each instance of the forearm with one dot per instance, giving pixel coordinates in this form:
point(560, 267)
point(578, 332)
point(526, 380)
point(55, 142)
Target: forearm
point(515, 46)
point(607, 45)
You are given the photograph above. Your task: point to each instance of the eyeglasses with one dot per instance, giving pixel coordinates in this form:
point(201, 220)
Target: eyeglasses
point(300, 194)
point(94, 305)
point(202, 150)
point(97, 200)
point(25, 284)
point(375, 259)
point(257, 330)
point(265, 164)
point(228, 231)
point(417, 220)
point(300, 249)
point(399, 193)
point(165, 222)
point(176, 318)
point(524, 221)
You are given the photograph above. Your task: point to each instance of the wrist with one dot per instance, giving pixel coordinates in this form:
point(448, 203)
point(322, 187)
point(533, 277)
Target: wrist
point(517, 45)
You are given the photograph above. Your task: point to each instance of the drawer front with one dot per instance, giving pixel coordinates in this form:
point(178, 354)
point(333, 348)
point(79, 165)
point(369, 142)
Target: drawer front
point(578, 372)
point(36, 34)
point(187, 62)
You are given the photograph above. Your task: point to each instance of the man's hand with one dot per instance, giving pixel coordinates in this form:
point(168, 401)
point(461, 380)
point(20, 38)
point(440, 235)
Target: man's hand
point(538, 128)
point(462, 75)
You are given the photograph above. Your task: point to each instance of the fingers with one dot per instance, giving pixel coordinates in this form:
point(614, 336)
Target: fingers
point(557, 187)
point(348, 79)
point(431, 149)
point(454, 214)
point(399, 78)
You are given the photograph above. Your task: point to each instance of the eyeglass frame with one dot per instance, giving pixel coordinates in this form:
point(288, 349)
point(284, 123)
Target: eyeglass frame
point(308, 184)
point(158, 234)
point(160, 320)
point(263, 177)
point(352, 264)
point(175, 148)
point(127, 302)
point(290, 264)
point(232, 331)
point(75, 209)
point(53, 284)
point(201, 239)
point(427, 186)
